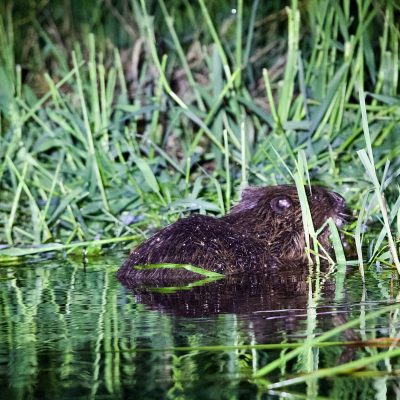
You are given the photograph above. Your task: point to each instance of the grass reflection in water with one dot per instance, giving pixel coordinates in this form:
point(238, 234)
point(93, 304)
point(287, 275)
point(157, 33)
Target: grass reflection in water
point(69, 331)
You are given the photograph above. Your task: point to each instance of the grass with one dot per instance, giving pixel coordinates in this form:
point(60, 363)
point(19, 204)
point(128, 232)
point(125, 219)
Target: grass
point(122, 138)
point(115, 121)
point(326, 335)
point(188, 267)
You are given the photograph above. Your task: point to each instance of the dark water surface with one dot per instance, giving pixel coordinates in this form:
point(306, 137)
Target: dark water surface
point(70, 331)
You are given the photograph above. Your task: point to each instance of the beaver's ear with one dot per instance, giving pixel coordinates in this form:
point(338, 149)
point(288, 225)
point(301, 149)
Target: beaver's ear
point(249, 199)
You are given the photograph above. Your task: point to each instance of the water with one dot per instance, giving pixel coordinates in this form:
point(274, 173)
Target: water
point(72, 331)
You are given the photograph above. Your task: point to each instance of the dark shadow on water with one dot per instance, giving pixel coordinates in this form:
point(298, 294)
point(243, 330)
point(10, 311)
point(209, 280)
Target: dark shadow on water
point(266, 304)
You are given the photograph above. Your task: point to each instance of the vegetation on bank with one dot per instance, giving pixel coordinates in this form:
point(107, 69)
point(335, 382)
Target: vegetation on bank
point(118, 119)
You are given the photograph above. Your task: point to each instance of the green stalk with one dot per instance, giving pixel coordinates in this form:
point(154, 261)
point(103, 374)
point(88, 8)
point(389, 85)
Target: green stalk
point(358, 235)
point(36, 213)
point(50, 247)
point(291, 64)
point(320, 339)
point(238, 44)
point(346, 368)
point(367, 158)
point(271, 102)
point(210, 116)
point(153, 50)
point(89, 136)
point(156, 114)
point(216, 39)
point(243, 150)
point(15, 203)
point(51, 193)
point(181, 55)
point(227, 172)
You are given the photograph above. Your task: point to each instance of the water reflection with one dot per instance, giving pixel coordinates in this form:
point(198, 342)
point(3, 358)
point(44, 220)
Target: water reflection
point(265, 305)
point(70, 331)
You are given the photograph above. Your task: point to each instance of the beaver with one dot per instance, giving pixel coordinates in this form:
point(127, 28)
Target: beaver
point(264, 230)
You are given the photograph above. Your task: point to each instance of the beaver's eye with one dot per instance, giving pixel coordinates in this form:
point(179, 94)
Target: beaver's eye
point(281, 204)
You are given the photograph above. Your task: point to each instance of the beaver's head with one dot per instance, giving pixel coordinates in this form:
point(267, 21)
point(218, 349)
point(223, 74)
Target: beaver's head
point(273, 214)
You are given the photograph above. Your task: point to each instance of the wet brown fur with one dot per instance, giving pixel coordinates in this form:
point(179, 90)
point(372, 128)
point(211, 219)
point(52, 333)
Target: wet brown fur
point(263, 230)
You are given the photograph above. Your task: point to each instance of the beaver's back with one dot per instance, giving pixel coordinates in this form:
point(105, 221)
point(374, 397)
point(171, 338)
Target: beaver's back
point(202, 241)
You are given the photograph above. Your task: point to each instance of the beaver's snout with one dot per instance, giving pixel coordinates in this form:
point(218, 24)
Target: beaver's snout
point(342, 214)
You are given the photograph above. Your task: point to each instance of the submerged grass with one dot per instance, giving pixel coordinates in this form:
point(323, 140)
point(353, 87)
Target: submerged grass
point(188, 267)
point(326, 335)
